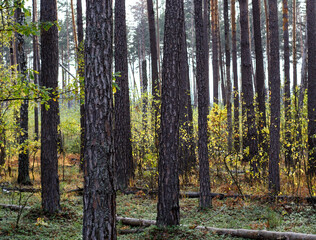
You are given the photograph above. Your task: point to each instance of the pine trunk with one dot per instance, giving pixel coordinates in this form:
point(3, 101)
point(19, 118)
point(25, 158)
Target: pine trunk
point(168, 181)
point(214, 51)
point(187, 146)
point(287, 89)
point(49, 117)
point(228, 80)
point(260, 86)
point(154, 68)
point(23, 177)
point(235, 74)
point(99, 204)
point(122, 133)
point(311, 32)
point(274, 79)
point(205, 198)
point(80, 55)
point(250, 137)
point(36, 67)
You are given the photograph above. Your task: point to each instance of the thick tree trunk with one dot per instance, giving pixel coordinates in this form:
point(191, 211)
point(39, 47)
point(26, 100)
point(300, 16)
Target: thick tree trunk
point(122, 133)
point(228, 80)
point(168, 180)
point(23, 177)
point(235, 74)
point(250, 137)
point(154, 68)
point(49, 134)
point(260, 86)
point(274, 79)
point(99, 204)
point(205, 198)
point(311, 32)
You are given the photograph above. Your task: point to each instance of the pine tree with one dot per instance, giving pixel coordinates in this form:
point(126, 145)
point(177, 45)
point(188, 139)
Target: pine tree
point(99, 204)
point(122, 133)
point(168, 180)
point(49, 117)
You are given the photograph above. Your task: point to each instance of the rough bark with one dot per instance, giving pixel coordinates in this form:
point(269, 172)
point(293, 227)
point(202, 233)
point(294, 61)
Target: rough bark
point(168, 181)
point(287, 89)
point(274, 79)
point(205, 198)
point(154, 68)
point(122, 133)
point(23, 176)
point(99, 204)
point(49, 117)
point(228, 80)
point(260, 86)
point(250, 133)
point(235, 74)
point(311, 92)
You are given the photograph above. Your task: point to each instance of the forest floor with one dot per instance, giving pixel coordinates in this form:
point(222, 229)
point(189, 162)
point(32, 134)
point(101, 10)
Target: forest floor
point(67, 224)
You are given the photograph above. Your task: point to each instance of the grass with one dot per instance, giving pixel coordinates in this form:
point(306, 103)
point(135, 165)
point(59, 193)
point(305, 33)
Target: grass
point(67, 224)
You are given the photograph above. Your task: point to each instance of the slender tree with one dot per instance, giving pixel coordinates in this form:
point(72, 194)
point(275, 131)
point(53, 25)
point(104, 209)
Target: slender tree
point(228, 80)
point(274, 79)
point(215, 50)
point(235, 74)
point(294, 50)
point(122, 133)
point(2, 140)
point(168, 180)
point(49, 116)
point(187, 146)
point(154, 67)
point(250, 138)
point(23, 176)
point(266, 12)
point(287, 89)
point(205, 187)
point(36, 67)
point(80, 56)
point(311, 32)
point(260, 86)
point(99, 189)
point(206, 27)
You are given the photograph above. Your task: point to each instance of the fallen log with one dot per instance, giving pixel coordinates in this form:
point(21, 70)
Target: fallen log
point(245, 233)
point(130, 231)
point(78, 190)
point(221, 196)
point(15, 189)
point(14, 207)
